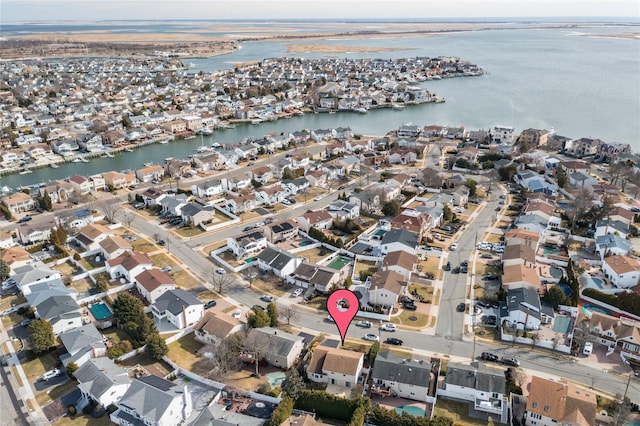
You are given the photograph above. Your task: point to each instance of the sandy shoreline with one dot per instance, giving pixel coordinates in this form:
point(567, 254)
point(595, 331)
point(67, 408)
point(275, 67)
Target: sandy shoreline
point(329, 48)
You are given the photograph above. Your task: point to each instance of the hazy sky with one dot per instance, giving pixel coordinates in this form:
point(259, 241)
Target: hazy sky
point(43, 10)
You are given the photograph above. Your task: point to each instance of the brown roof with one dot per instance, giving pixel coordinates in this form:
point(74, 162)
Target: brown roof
point(622, 264)
point(111, 244)
point(300, 420)
point(409, 222)
point(258, 171)
point(518, 273)
point(522, 234)
point(624, 213)
point(15, 198)
point(14, 254)
point(317, 216)
point(400, 258)
point(93, 231)
point(217, 325)
point(519, 251)
point(130, 259)
point(334, 360)
point(151, 279)
point(389, 280)
point(564, 402)
point(540, 206)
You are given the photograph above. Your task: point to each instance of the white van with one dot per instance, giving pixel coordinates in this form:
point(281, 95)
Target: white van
point(588, 348)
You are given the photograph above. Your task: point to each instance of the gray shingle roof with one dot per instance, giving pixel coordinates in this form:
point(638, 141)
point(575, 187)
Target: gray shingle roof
point(98, 375)
point(278, 342)
point(85, 336)
point(56, 306)
point(174, 300)
point(276, 259)
point(403, 236)
point(476, 376)
point(389, 366)
point(147, 398)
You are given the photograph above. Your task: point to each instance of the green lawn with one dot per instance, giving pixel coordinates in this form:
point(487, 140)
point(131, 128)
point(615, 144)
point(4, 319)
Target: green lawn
point(35, 368)
point(457, 411)
point(116, 335)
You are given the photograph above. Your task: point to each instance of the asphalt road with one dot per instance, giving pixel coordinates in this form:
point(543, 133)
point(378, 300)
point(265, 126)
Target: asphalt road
point(11, 412)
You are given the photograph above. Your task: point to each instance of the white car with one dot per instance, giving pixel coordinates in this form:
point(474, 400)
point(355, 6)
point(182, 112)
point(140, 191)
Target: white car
point(601, 168)
point(236, 314)
point(51, 374)
point(371, 337)
point(318, 198)
point(453, 247)
point(298, 292)
point(221, 271)
point(9, 311)
point(459, 210)
point(389, 327)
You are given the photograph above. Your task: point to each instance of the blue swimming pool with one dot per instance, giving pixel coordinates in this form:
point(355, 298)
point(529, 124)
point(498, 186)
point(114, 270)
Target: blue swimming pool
point(556, 272)
point(411, 409)
point(100, 311)
point(597, 281)
point(567, 290)
point(588, 309)
point(275, 379)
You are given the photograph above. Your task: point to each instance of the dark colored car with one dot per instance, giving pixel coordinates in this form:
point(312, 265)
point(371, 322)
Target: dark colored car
point(464, 270)
point(247, 228)
point(410, 306)
point(393, 341)
point(509, 360)
point(447, 267)
point(464, 263)
point(488, 356)
point(460, 307)
point(406, 299)
point(257, 308)
point(486, 256)
point(162, 243)
point(25, 219)
point(210, 304)
point(455, 270)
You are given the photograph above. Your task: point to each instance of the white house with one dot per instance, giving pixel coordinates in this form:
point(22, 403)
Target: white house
point(335, 366)
point(152, 283)
point(128, 265)
point(280, 262)
point(247, 244)
point(61, 311)
point(621, 271)
point(386, 287)
point(523, 310)
point(406, 378)
point(82, 344)
point(154, 401)
point(178, 307)
point(309, 275)
point(101, 380)
point(399, 239)
point(212, 328)
point(277, 347)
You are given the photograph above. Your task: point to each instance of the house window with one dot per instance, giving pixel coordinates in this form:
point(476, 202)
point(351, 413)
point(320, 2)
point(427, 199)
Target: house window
point(546, 408)
point(535, 405)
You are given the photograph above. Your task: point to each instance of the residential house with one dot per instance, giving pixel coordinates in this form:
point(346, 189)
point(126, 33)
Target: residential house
point(295, 186)
point(573, 166)
point(523, 310)
point(611, 244)
point(115, 180)
point(559, 402)
point(31, 273)
point(482, 387)
point(247, 244)
point(128, 265)
point(534, 182)
point(19, 202)
point(335, 366)
point(400, 377)
point(585, 147)
point(154, 401)
point(317, 178)
point(502, 135)
point(101, 380)
point(616, 334)
point(112, 247)
point(621, 214)
point(90, 236)
point(262, 174)
point(150, 173)
point(61, 311)
point(211, 161)
point(82, 344)
point(516, 254)
point(236, 203)
point(408, 130)
point(621, 271)
point(401, 262)
point(518, 275)
point(319, 219)
point(152, 283)
point(81, 184)
point(386, 287)
point(90, 142)
point(207, 189)
point(522, 236)
point(310, 275)
point(276, 347)
point(194, 214)
point(173, 205)
point(282, 231)
point(213, 328)
point(178, 307)
point(534, 137)
point(412, 221)
point(281, 263)
point(367, 200)
point(399, 239)
point(609, 226)
point(582, 180)
point(34, 232)
point(14, 257)
point(343, 210)
point(388, 190)
point(273, 194)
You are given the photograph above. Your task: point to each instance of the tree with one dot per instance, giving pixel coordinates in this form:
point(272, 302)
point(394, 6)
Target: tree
point(111, 211)
point(40, 336)
point(221, 281)
point(156, 346)
point(373, 353)
point(555, 295)
point(272, 311)
point(5, 270)
point(289, 313)
point(59, 237)
point(72, 367)
point(473, 187)
point(293, 385)
point(619, 410)
point(222, 359)
point(102, 283)
point(127, 219)
point(447, 213)
point(561, 178)
point(259, 319)
point(45, 202)
point(581, 335)
point(390, 208)
point(287, 174)
point(347, 282)
point(127, 308)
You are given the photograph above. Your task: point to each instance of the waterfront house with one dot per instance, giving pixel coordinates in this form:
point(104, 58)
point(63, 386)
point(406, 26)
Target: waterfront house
point(58, 191)
point(276, 347)
point(115, 180)
point(150, 173)
point(102, 381)
point(400, 377)
point(482, 387)
point(90, 142)
point(178, 307)
point(175, 126)
point(213, 328)
point(559, 402)
point(386, 287)
point(152, 283)
point(502, 135)
point(585, 147)
point(309, 275)
point(247, 244)
point(18, 202)
point(534, 137)
point(81, 184)
point(128, 265)
point(64, 147)
point(113, 137)
point(82, 344)
point(335, 366)
point(319, 219)
point(209, 161)
point(154, 401)
point(98, 182)
point(408, 130)
point(622, 271)
point(281, 263)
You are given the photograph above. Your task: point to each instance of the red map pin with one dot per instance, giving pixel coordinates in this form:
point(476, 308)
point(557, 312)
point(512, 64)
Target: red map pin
point(343, 305)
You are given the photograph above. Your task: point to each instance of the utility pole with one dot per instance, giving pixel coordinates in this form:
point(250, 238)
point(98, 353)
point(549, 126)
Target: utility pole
point(473, 352)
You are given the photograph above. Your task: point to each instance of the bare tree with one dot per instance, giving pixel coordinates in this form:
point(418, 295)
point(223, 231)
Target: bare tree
point(220, 360)
point(519, 377)
point(56, 409)
point(619, 410)
point(250, 276)
point(582, 335)
point(289, 313)
point(127, 218)
point(111, 211)
point(534, 339)
point(220, 281)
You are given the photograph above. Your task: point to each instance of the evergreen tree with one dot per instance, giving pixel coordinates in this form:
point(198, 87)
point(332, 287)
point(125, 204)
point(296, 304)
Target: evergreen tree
point(156, 346)
point(293, 384)
point(272, 311)
point(40, 336)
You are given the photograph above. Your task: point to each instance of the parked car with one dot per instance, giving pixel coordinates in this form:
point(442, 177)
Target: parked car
point(25, 219)
point(363, 324)
point(162, 242)
point(509, 360)
point(221, 271)
point(393, 341)
point(488, 356)
point(464, 270)
point(267, 299)
point(409, 306)
point(51, 374)
point(166, 269)
point(247, 228)
point(317, 198)
point(389, 327)
point(406, 299)
point(447, 267)
point(329, 318)
point(455, 270)
point(486, 256)
point(9, 311)
point(371, 337)
point(461, 307)
point(298, 292)
point(251, 163)
point(588, 348)
point(453, 247)
point(464, 263)
point(210, 304)
point(286, 202)
point(26, 322)
point(236, 314)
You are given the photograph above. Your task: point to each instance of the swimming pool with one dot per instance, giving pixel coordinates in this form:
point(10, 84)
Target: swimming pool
point(556, 272)
point(597, 281)
point(275, 379)
point(380, 232)
point(411, 409)
point(567, 290)
point(305, 243)
point(100, 311)
point(588, 309)
point(562, 324)
point(338, 263)
point(250, 259)
point(550, 251)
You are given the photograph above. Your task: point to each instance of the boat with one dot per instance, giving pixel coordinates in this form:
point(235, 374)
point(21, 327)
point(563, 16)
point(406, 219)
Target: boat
point(256, 121)
point(25, 171)
point(203, 149)
point(397, 107)
point(332, 112)
point(207, 131)
point(361, 110)
point(299, 113)
point(108, 155)
point(53, 166)
point(128, 149)
point(76, 160)
point(84, 160)
point(163, 141)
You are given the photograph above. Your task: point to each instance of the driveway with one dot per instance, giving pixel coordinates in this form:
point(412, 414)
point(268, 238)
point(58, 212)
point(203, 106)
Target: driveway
point(41, 385)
